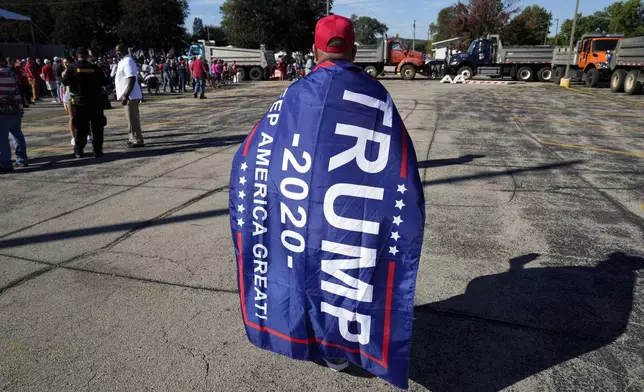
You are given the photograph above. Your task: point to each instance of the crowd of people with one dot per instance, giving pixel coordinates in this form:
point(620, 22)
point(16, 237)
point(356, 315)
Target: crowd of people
point(42, 80)
point(294, 69)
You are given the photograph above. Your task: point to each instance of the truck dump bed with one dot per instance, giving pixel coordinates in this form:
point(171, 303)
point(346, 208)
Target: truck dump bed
point(629, 52)
point(371, 54)
point(561, 56)
point(525, 55)
point(243, 57)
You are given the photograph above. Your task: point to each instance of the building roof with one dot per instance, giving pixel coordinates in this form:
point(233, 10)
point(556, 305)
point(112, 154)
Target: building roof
point(445, 43)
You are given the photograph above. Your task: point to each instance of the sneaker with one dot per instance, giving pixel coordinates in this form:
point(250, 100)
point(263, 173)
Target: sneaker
point(336, 365)
point(194, 95)
point(79, 154)
point(54, 101)
point(22, 164)
point(73, 141)
point(135, 145)
point(90, 139)
point(202, 97)
point(98, 154)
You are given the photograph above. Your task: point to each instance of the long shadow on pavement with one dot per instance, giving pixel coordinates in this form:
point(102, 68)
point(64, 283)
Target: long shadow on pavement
point(118, 227)
point(448, 162)
point(509, 326)
point(549, 166)
point(63, 161)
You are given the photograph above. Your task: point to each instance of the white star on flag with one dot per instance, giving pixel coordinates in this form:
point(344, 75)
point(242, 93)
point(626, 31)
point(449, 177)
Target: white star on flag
point(240, 208)
point(393, 250)
point(240, 222)
point(402, 189)
point(242, 180)
point(242, 194)
point(400, 204)
point(394, 235)
point(244, 166)
point(397, 220)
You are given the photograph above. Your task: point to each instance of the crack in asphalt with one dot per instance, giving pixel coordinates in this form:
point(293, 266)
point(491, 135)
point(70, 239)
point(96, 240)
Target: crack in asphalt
point(624, 211)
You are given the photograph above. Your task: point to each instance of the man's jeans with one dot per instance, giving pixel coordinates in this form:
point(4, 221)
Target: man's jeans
point(200, 86)
point(167, 82)
point(10, 127)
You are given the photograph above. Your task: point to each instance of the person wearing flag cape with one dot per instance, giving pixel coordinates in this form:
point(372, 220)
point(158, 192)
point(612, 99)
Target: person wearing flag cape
point(327, 215)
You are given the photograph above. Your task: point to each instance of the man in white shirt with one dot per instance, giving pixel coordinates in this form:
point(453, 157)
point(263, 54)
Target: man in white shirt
point(128, 91)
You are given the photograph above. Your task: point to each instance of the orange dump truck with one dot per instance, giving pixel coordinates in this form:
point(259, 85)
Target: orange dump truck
point(590, 60)
point(388, 52)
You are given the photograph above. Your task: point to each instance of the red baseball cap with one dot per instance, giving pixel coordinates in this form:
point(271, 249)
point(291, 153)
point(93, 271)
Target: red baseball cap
point(334, 26)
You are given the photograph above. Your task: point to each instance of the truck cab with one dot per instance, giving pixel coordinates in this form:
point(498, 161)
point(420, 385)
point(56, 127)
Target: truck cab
point(593, 58)
point(407, 62)
point(478, 54)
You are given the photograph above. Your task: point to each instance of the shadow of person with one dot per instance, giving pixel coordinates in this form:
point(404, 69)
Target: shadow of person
point(509, 326)
point(449, 161)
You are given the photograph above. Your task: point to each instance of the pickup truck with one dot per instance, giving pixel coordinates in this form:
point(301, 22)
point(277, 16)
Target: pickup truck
point(488, 56)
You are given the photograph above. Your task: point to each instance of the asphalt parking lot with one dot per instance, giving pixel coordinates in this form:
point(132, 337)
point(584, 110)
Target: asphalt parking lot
point(119, 275)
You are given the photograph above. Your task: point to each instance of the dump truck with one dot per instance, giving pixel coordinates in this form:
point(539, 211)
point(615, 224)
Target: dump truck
point(392, 51)
point(256, 64)
point(627, 66)
point(487, 56)
point(589, 61)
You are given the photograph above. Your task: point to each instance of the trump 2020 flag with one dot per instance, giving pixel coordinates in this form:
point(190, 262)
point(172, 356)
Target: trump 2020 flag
point(327, 215)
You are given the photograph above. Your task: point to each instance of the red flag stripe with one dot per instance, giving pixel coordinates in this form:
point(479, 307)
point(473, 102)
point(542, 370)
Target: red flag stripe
point(403, 167)
point(250, 137)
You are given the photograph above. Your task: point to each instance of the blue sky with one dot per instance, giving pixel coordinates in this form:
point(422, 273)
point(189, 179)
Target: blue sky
point(399, 15)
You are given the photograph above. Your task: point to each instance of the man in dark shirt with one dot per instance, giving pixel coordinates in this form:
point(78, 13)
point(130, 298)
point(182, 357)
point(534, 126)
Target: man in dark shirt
point(58, 74)
point(85, 81)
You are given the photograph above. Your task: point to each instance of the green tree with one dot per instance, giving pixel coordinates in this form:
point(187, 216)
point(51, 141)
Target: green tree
point(530, 27)
point(153, 23)
point(595, 23)
point(479, 18)
point(367, 29)
point(287, 25)
point(197, 27)
point(212, 33)
point(444, 24)
point(626, 17)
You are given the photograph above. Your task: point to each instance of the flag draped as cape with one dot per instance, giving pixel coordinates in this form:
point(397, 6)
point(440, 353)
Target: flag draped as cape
point(327, 215)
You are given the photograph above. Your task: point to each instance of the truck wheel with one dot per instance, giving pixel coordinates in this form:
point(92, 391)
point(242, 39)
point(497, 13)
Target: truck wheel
point(558, 74)
point(617, 81)
point(408, 72)
point(371, 70)
point(466, 72)
point(242, 74)
point(544, 74)
point(592, 78)
point(631, 83)
point(524, 74)
point(255, 73)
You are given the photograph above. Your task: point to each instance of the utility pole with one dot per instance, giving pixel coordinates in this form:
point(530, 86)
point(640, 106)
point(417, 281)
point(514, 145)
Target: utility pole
point(413, 42)
point(557, 28)
point(572, 39)
point(428, 38)
point(327, 7)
